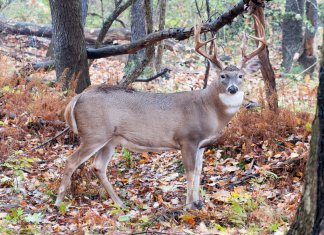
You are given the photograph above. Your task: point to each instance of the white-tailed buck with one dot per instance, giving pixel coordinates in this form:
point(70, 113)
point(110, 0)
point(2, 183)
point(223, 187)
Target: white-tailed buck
point(105, 117)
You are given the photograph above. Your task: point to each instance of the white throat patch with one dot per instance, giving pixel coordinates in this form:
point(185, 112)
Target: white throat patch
point(233, 102)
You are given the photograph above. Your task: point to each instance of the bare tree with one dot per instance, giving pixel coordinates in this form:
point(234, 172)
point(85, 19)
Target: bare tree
point(308, 56)
point(138, 28)
point(267, 70)
point(310, 212)
point(292, 31)
point(161, 23)
point(136, 65)
point(69, 43)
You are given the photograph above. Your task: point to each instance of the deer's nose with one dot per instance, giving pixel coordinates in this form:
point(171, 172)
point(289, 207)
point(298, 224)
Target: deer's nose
point(232, 89)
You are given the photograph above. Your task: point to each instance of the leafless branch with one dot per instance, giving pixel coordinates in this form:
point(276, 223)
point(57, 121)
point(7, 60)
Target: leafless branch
point(108, 22)
point(164, 71)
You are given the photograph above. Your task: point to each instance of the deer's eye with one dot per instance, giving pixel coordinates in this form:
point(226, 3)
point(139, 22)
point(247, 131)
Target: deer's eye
point(240, 76)
point(223, 76)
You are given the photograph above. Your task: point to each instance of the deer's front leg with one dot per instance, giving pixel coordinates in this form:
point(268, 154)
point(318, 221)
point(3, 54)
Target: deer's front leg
point(192, 159)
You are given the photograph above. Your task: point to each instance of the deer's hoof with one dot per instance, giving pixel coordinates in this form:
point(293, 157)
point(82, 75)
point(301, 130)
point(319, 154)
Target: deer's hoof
point(195, 205)
point(199, 204)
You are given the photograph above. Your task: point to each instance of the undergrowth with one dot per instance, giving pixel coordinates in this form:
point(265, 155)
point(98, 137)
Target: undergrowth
point(250, 127)
point(27, 109)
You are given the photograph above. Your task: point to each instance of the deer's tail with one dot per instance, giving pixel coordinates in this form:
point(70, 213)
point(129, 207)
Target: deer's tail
point(69, 114)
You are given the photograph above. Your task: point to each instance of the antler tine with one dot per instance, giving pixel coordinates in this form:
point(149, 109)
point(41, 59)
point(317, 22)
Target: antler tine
point(260, 39)
point(198, 44)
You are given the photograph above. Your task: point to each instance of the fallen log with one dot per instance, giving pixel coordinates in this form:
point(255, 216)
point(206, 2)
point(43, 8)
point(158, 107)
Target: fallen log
point(30, 29)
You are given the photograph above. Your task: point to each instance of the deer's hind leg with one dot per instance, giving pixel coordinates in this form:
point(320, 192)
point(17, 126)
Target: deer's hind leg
point(100, 166)
point(82, 154)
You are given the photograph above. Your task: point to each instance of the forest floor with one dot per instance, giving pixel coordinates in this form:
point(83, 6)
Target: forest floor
point(251, 182)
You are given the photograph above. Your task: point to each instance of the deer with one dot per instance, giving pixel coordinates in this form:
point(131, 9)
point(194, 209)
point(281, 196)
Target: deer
point(107, 116)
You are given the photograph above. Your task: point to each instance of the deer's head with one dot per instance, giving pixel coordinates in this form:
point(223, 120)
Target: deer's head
point(231, 76)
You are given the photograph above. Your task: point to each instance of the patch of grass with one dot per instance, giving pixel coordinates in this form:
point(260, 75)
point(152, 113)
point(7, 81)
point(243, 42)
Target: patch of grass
point(127, 155)
point(179, 166)
point(240, 206)
point(274, 227)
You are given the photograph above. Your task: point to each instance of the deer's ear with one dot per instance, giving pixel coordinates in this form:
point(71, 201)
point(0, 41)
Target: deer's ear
point(214, 67)
point(252, 66)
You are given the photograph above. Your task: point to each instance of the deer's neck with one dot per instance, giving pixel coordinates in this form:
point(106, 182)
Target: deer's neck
point(224, 103)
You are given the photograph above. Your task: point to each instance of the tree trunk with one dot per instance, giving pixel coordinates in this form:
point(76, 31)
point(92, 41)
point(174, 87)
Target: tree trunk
point(69, 43)
point(267, 71)
point(84, 12)
point(135, 70)
point(292, 32)
point(308, 57)
point(310, 212)
point(161, 22)
point(138, 29)
point(145, 59)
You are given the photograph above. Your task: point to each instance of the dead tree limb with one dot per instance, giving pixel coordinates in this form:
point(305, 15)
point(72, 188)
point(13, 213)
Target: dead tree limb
point(24, 28)
point(164, 71)
point(30, 29)
point(180, 33)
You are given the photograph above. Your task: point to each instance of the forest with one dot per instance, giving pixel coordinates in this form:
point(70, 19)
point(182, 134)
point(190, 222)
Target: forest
point(162, 117)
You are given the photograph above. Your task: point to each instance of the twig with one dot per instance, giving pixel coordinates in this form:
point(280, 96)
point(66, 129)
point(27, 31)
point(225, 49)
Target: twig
point(242, 180)
point(39, 146)
point(51, 139)
point(164, 71)
point(273, 166)
point(121, 22)
point(304, 71)
point(156, 216)
point(24, 170)
point(155, 232)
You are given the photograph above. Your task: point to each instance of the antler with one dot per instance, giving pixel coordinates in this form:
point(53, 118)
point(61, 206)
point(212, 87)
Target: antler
point(198, 44)
point(261, 39)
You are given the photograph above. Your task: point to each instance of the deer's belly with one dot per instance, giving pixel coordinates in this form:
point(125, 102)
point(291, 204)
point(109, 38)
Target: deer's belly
point(139, 147)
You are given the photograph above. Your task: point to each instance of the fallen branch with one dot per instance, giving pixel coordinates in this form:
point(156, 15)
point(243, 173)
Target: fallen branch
point(30, 29)
point(50, 140)
point(164, 71)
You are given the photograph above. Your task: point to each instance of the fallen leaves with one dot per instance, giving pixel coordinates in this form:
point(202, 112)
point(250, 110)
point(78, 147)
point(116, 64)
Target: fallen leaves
point(251, 181)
